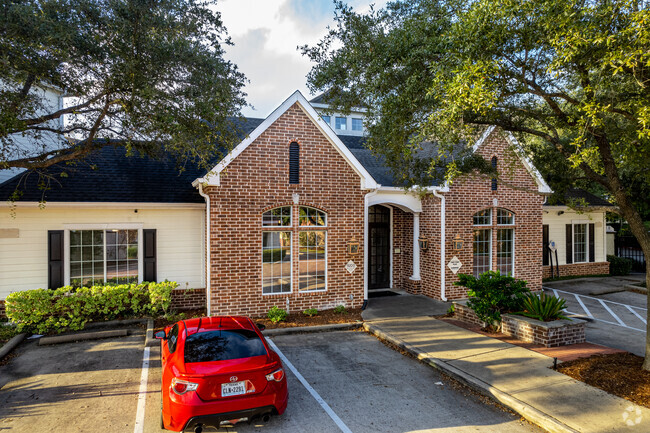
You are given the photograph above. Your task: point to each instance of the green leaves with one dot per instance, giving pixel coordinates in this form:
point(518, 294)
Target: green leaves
point(543, 307)
point(65, 308)
point(276, 314)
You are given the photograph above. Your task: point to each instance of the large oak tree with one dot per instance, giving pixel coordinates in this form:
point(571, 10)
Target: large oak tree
point(149, 73)
point(570, 78)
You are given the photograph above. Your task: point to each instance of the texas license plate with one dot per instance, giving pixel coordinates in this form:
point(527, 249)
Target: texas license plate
point(234, 388)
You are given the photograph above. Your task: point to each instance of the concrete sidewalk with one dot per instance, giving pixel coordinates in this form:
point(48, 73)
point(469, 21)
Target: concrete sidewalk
point(519, 378)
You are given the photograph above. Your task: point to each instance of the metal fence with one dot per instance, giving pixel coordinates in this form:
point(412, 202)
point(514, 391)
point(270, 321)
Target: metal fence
point(628, 246)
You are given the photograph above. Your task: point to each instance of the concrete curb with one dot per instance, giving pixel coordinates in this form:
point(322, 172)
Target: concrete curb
point(527, 411)
point(11, 344)
point(96, 325)
point(308, 329)
point(150, 340)
point(83, 336)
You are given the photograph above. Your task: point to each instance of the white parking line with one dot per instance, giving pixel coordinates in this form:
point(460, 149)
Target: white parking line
point(609, 310)
point(584, 307)
point(142, 396)
point(636, 314)
point(326, 407)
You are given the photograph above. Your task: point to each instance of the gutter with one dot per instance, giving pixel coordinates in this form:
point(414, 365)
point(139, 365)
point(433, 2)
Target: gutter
point(207, 248)
point(443, 237)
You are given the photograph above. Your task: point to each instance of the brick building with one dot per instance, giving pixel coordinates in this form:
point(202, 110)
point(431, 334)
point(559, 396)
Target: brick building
point(299, 215)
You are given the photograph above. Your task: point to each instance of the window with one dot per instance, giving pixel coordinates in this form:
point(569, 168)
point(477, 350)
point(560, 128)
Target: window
point(326, 119)
point(172, 339)
point(482, 251)
point(277, 257)
point(505, 217)
point(223, 345)
point(357, 124)
point(483, 218)
point(312, 261)
point(276, 262)
point(341, 123)
point(579, 243)
point(505, 251)
point(505, 241)
point(309, 216)
point(278, 217)
point(294, 163)
point(103, 257)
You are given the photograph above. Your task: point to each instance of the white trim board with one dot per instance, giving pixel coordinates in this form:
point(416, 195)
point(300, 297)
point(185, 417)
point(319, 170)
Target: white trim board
point(102, 205)
point(212, 178)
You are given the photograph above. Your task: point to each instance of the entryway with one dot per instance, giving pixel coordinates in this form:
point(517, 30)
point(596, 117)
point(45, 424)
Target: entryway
point(379, 265)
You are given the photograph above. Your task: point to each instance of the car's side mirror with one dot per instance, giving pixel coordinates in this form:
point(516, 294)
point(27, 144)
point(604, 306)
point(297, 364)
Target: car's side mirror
point(160, 335)
point(261, 326)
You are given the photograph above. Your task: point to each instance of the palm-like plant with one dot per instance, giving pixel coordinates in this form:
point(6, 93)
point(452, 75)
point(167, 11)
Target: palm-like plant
point(543, 307)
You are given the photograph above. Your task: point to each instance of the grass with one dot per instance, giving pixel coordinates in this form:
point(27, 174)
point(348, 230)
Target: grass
point(573, 277)
point(7, 333)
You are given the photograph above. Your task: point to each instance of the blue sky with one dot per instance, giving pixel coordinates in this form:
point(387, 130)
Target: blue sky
point(266, 34)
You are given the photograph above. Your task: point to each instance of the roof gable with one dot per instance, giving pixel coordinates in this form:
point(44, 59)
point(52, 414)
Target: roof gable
point(212, 178)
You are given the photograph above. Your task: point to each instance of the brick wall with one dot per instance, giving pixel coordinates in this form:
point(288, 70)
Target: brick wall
point(188, 299)
point(576, 269)
point(469, 194)
point(548, 334)
point(258, 180)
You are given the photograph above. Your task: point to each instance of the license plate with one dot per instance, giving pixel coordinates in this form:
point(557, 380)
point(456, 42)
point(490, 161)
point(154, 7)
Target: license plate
point(235, 388)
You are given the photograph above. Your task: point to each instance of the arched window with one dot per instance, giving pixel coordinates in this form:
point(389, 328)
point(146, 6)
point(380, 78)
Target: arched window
point(279, 257)
point(484, 225)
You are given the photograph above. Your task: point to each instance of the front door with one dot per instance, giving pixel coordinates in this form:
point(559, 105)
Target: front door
point(379, 263)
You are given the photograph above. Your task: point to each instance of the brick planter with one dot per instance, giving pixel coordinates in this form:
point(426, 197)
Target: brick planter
point(549, 334)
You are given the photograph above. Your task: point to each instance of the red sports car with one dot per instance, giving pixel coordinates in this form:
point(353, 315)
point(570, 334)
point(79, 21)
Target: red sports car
point(216, 371)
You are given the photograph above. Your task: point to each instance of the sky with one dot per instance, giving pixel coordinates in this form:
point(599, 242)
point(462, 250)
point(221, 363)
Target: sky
point(266, 34)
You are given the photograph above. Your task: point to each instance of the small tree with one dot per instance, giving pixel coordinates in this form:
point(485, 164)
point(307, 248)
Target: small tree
point(493, 294)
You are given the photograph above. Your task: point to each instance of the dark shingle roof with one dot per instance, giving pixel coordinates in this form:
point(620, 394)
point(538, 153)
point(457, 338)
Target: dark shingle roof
point(109, 175)
point(581, 194)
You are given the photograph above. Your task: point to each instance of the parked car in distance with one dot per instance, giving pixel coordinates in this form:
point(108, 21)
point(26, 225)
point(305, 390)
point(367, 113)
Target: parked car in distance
point(218, 371)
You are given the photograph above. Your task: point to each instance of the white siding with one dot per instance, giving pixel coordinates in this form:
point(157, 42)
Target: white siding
point(23, 260)
point(557, 229)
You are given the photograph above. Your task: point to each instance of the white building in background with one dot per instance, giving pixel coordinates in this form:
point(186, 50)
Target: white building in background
point(28, 143)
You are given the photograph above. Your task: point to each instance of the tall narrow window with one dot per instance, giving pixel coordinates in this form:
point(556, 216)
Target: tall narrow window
point(579, 243)
point(294, 163)
point(505, 251)
point(494, 179)
point(276, 262)
point(312, 261)
point(482, 251)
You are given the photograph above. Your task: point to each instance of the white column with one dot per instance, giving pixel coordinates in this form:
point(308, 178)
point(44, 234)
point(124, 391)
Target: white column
point(416, 247)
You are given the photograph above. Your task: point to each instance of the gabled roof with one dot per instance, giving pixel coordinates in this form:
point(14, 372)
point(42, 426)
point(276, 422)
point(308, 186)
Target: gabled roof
point(367, 180)
point(582, 195)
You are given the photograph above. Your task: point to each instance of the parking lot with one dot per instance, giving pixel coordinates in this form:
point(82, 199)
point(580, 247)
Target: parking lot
point(338, 382)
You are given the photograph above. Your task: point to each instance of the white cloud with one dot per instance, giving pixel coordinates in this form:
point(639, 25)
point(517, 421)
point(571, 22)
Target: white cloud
point(266, 34)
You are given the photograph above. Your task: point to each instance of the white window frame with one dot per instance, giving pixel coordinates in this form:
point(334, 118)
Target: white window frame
point(484, 225)
point(491, 247)
point(326, 255)
point(575, 223)
point(514, 234)
point(278, 207)
point(315, 208)
point(336, 124)
point(290, 230)
point(352, 121)
point(104, 227)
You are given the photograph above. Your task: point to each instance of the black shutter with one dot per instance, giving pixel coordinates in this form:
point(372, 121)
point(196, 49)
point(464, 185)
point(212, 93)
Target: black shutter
point(545, 242)
point(569, 244)
point(494, 179)
point(294, 162)
point(55, 259)
point(592, 248)
point(149, 255)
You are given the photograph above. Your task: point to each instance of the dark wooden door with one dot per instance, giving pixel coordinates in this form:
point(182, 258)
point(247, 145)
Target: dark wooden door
point(379, 232)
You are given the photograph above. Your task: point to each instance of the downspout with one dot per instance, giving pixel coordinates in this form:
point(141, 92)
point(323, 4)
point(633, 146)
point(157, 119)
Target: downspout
point(443, 258)
point(207, 248)
point(366, 242)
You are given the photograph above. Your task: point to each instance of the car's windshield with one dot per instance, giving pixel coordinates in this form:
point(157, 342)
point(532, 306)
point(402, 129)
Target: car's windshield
point(223, 345)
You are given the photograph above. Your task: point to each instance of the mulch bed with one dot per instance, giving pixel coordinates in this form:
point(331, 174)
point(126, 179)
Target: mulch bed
point(324, 317)
point(619, 374)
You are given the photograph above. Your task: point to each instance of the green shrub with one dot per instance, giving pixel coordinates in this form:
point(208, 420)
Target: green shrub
point(276, 314)
point(543, 307)
point(619, 265)
point(311, 312)
point(493, 294)
point(43, 310)
point(340, 309)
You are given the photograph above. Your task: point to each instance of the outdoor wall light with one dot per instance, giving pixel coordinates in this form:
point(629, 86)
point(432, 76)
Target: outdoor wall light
point(423, 242)
point(353, 247)
point(457, 243)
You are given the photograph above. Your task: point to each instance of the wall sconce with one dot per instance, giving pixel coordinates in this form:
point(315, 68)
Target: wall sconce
point(457, 243)
point(423, 243)
point(353, 247)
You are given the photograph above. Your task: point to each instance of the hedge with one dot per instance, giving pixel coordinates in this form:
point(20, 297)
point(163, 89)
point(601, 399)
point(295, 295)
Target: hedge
point(619, 265)
point(71, 308)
